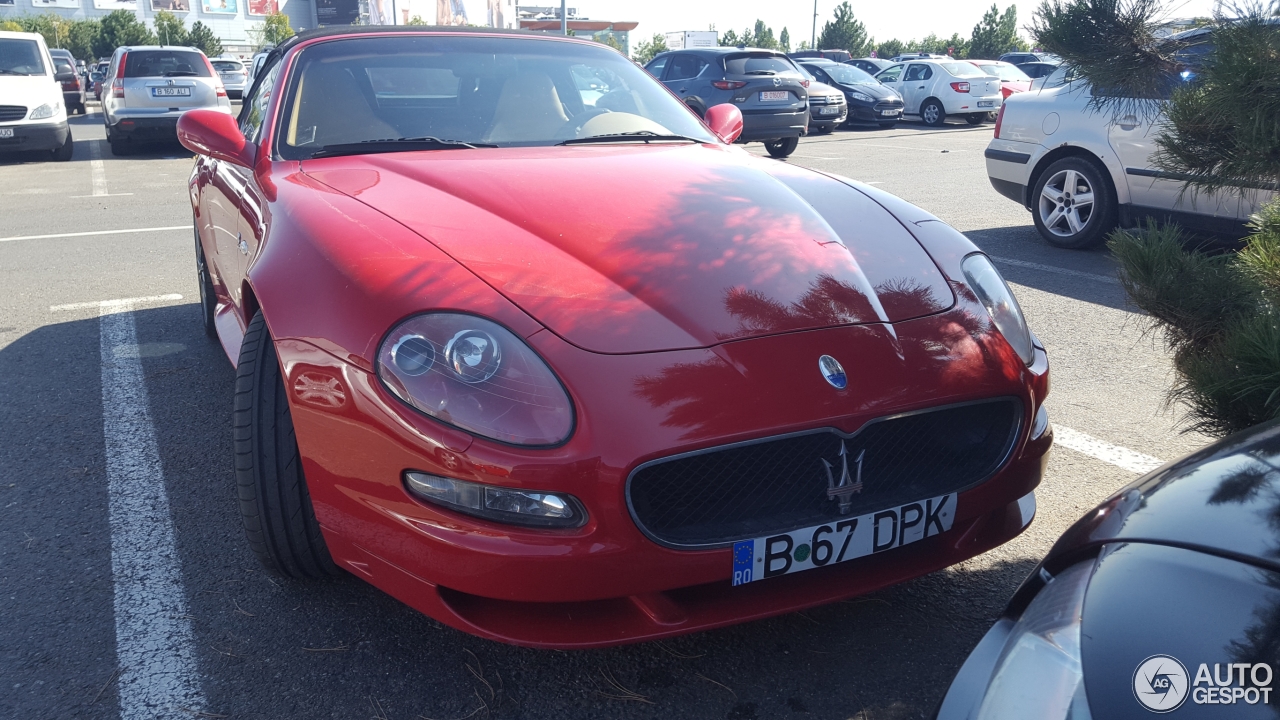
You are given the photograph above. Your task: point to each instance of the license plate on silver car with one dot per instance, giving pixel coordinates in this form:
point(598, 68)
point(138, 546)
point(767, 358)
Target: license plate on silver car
point(774, 95)
point(841, 540)
point(986, 103)
point(6, 132)
point(171, 92)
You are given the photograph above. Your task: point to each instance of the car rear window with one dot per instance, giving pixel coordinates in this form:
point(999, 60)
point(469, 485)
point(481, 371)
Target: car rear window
point(20, 57)
point(227, 66)
point(165, 63)
point(1008, 73)
point(758, 64)
point(962, 69)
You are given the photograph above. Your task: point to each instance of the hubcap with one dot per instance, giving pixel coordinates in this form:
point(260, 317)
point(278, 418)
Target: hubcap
point(1066, 203)
point(931, 114)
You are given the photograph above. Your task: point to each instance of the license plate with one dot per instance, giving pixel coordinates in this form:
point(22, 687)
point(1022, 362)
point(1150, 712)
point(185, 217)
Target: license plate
point(829, 111)
point(889, 113)
point(986, 103)
point(6, 132)
point(170, 92)
point(841, 540)
point(771, 95)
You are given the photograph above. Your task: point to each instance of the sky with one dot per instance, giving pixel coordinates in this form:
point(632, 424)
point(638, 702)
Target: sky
point(903, 19)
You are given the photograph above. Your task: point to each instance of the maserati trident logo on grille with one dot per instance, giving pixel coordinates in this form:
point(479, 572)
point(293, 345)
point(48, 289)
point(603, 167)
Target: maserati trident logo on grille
point(833, 371)
point(844, 490)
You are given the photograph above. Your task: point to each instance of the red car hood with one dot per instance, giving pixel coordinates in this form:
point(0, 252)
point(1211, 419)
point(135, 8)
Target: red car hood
point(624, 249)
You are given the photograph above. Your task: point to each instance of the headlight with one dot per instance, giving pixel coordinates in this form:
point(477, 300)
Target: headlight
point(1003, 307)
point(47, 110)
point(1038, 674)
point(508, 505)
point(860, 97)
point(477, 375)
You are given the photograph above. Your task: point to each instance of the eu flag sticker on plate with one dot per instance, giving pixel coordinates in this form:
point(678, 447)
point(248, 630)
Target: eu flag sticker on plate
point(744, 552)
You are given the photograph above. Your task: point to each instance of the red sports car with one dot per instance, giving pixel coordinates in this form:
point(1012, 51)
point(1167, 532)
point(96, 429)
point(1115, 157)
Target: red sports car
point(563, 367)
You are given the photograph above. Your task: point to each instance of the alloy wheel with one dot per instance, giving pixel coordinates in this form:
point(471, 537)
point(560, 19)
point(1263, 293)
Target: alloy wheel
point(1066, 203)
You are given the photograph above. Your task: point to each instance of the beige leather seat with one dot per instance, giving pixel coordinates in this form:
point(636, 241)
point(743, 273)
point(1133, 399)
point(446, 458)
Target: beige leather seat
point(331, 101)
point(528, 110)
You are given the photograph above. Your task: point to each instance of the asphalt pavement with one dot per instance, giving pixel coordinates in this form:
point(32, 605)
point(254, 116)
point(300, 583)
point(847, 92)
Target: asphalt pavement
point(271, 648)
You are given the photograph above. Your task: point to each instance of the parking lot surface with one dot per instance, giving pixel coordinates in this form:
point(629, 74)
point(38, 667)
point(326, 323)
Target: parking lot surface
point(101, 228)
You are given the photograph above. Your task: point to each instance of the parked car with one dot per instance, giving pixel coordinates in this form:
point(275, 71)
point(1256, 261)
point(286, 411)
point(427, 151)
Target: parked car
point(95, 83)
point(1019, 58)
point(1012, 80)
point(498, 425)
point(73, 90)
point(934, 89)
point(827, 106)
point(868, 100)
point(1081, 172)
point(834, 55)
point(149, 87)
point(870, 65)
point(233, 74)
point(919, 56)
point(32, 114)
point(1170, 580)
point(255, 65)
point(1037, 70)
point(764, 84)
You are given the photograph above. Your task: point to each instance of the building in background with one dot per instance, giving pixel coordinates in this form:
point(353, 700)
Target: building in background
point(546, 18)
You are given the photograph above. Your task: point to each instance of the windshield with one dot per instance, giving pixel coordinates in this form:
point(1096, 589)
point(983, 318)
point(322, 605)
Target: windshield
point(505, 92)
point(962, 69)
point(848, 75)
point(20, 57)
point(227, 66)
point(1007, 73)
point(758, 64)
point(165, 63)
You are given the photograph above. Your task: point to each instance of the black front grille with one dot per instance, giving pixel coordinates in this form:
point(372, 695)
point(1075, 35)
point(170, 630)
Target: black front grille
point(748, 490)
point(889, 105)
point(12, 112)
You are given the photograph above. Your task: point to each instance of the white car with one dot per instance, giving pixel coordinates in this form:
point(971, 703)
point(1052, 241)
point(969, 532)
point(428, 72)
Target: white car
point(235, 76)
point(934, 89)
point(32, 114)
point(1081, 171)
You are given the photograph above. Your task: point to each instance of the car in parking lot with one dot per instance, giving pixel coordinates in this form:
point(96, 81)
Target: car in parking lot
point(764, 85)
point(934, 89)
point(870, 65)
point(1020, 58)
point(233, 74)
point(32, 114)
point(73, 89)
point(148, 88)
point(1163, 599)
point(492, 410)
point(1037, 70)
point(867, 98)
point(828, 108)
point(1012, 79)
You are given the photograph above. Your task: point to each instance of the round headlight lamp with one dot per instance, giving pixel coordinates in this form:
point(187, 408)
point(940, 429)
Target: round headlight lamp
point(474, 374)
point(1002, 306)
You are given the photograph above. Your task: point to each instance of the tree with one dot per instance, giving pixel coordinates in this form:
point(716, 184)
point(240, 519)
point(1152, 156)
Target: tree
point(275, 29)
point(804, 45)
point(844, 32)
point(170, 29)
point(646, 50)
point(11, 26)
point(997, 33)
point(784, 41)
point(121, 27)
point(202, 37)
point(730, 39)
point(890, 48)
point(81, 36)
point(762, 37)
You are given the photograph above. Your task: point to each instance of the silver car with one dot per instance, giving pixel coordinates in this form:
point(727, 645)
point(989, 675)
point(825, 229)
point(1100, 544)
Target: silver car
point(148, 88)
point(235, 76)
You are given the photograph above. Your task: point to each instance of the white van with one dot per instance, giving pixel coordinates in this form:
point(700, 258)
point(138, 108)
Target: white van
point(32, 116)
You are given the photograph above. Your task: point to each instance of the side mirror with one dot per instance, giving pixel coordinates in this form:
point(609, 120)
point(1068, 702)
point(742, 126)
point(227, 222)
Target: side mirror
point(64, 77)
point(215, 134)
point(725, 120)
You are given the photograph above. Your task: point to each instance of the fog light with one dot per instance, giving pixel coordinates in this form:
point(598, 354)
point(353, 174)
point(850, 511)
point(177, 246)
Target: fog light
point(505, 505)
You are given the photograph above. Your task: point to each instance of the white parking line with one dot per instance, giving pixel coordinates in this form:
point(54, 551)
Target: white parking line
point(94, 232)
point(1060, 271)
point(97, 170)
point(1106, 452)
point(115, 306)
point(154, 645)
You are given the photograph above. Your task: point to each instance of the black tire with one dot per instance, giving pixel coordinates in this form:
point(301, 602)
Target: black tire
point(1053, 216)
point(68, 148)
point(888, 125)
point(932, 112)
point(975, 118)
point(697, 105)
point(121, 147)
point(275, 506)
point(782, 148)
point(208, 299)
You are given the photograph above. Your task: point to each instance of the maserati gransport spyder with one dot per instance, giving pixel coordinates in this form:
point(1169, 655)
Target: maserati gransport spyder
point(524, 342)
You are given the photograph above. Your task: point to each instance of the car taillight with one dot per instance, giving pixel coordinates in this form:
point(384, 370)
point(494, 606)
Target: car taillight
point(222, 91)
point(727, 84)
point(960, 87)
point(999, 119)
point(117, 88)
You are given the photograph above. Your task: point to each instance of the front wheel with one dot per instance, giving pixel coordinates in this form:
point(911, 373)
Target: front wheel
point(782, 148)
point(66, 150)
point(697, 106)
point(1073, 205)
point(275, 504)
point(932, 113)
point(976, 118)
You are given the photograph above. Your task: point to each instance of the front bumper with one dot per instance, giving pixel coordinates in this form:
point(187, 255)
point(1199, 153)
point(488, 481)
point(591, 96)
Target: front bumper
point(864, 112)
point(606, 583)
point(770, 125)
point(35, 136)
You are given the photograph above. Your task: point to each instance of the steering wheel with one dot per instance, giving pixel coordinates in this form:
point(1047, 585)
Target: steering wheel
point(574, 126)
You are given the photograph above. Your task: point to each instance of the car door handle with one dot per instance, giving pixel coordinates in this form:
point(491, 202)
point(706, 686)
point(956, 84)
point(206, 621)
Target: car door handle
point(919, 87)
point(1128, 122)
point(244, 246)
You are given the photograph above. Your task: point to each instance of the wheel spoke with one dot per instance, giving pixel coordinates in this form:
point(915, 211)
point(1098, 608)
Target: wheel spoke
point(1052, 193)
point(1073, 220)
point(1053, 218)
point(1083, 199)
point(1073, 178)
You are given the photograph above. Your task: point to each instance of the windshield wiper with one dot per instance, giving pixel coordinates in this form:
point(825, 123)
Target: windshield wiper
point(365, 147)
point(644, 136)
point(759, 72)
point(180, 73)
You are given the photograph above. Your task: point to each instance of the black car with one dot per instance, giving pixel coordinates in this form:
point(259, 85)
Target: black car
point(869, 65)
point(1165, 597)
point(836, 55)
point(1036, 70)
point(869, 101)
point(765, 85)
point(1018, 58)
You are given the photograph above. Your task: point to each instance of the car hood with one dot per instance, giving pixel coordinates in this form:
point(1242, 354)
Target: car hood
point(641, 248)
point(820, 88)
point(875, 90)
point(31, 91)
point(1224, 499)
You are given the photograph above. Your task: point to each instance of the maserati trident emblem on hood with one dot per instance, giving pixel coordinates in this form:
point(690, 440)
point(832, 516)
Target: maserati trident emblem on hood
point(833, 371)
point(844, 490)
